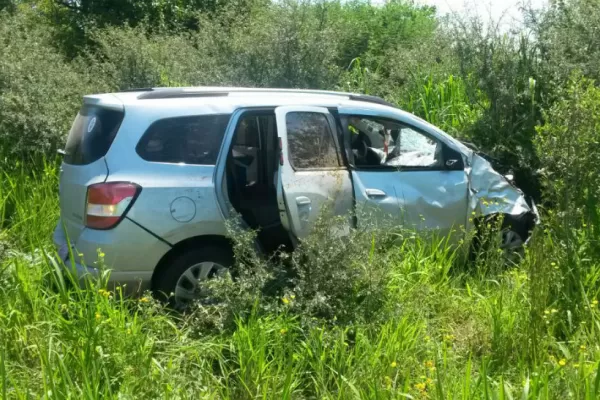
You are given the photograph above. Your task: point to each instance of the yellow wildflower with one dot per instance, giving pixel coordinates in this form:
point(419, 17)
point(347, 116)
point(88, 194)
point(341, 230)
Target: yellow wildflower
point(562, 362)
point(286, 300)
point(283, 331)
point(98, 316)
point(128, 331)
point(144, 300)
point(393, 364)
point(554, 310)
point(594, 303)
point(429, 364)
point(293, 296)
point(421, 386)
point(546, 312)
point(582, 347)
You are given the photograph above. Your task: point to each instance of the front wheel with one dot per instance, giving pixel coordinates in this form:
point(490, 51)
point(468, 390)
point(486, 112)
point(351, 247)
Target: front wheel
point(180, 281)
point(509, 235)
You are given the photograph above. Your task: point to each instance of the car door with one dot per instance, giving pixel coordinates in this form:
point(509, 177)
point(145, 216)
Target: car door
point(419, 180)
point(312, 174)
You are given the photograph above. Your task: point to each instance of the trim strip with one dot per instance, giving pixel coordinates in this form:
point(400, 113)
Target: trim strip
point(150, 232)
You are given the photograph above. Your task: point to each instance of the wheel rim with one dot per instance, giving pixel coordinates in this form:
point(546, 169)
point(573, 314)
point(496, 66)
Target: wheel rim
point(511, 240)
point(186, 288)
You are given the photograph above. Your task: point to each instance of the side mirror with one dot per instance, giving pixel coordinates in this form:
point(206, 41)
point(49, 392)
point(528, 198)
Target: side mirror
point(453, 160)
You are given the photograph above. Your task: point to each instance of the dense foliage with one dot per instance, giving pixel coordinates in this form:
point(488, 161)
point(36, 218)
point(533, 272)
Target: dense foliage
point(338, 319)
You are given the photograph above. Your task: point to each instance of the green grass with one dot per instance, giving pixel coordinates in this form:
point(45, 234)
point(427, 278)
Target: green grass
point(441, 330)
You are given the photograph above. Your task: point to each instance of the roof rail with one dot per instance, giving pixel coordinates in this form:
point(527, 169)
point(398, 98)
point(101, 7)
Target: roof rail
point(146, 89)
point(173, 93)
point(371, 99)
point(177, 93)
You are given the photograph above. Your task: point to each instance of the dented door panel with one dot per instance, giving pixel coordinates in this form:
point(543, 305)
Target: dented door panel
point(433, 200)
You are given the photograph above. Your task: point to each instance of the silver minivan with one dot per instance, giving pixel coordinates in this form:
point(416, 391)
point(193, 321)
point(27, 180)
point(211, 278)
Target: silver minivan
point(150, 177)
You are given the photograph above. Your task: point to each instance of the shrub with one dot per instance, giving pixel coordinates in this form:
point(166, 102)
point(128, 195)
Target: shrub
point(129, 58)
point(329, 279)
point(569, 148)
point(40, 92)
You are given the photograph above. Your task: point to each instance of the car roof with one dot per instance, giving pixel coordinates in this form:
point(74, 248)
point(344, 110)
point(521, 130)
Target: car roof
point(232, 96)
point(170, 102)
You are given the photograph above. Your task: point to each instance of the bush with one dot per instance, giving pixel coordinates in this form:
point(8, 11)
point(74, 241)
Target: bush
point(569, 148)
point(329, 279)
point(127, 58)
point(40, 92)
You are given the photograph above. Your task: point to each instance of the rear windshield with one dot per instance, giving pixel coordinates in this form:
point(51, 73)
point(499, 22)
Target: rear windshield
point(91, 135)
point(188, 140)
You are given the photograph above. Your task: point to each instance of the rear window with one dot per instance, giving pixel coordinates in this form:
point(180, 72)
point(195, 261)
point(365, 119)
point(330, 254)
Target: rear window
point(91, 135)
point(188, 140)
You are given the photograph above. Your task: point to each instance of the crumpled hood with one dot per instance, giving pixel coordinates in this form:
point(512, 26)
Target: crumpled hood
point(491, 192)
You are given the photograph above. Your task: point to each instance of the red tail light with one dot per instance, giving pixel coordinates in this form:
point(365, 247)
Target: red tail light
point(107, 203)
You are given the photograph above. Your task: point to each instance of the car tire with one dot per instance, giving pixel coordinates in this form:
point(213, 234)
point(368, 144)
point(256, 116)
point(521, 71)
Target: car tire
point(514, 232)
point(175, 284)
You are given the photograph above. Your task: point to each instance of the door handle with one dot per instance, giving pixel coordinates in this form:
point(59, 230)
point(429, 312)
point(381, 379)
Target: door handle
point(374, 193)
point(303, 201)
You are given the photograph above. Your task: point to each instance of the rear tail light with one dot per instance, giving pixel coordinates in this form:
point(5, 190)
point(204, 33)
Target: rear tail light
point(108, 203)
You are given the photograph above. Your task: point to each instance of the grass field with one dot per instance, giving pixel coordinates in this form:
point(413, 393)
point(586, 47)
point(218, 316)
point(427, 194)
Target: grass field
point(408, 322)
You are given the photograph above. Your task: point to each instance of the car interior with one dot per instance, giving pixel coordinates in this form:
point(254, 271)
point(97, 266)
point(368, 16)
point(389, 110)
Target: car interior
point(386, 143)
point(252, 165)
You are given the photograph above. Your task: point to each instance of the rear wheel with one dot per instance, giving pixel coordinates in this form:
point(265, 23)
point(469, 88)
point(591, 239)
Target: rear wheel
point(179, 281)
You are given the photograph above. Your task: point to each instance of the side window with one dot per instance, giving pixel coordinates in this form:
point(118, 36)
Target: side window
point(417, 150)
point(310, 141)
point(189, 140)
point(382, 142)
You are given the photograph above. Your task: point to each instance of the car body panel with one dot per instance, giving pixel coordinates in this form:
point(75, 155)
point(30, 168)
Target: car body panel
point(433, 200)
point(491, 192)
point(375, 195)
point(128, 250)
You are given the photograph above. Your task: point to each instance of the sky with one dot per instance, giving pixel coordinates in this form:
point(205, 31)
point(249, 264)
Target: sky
point(505, 10)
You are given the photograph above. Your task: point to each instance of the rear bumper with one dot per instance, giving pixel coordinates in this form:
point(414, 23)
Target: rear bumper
point(130, 255)
point(132, 283)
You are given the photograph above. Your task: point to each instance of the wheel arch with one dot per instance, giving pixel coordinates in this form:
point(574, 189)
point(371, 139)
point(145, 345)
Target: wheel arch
point(188, 244)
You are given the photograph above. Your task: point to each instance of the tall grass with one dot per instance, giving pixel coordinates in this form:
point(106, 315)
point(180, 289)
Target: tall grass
point(441, 330)
point(443, 103)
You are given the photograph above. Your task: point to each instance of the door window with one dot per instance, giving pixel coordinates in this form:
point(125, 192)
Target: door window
point(387, 143)
point(310, 141)
point(413, 149)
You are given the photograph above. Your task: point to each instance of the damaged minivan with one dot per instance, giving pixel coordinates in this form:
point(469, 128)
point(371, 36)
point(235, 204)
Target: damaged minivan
point(151, 177)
